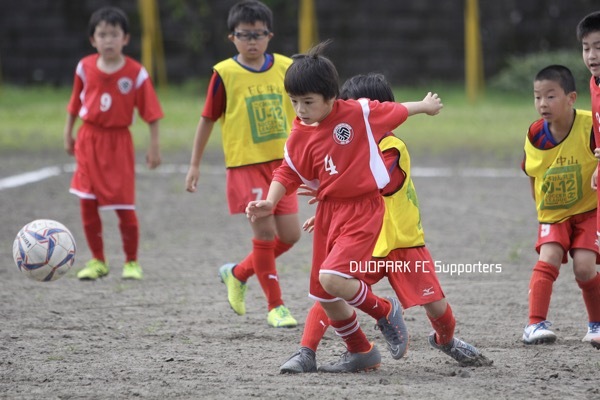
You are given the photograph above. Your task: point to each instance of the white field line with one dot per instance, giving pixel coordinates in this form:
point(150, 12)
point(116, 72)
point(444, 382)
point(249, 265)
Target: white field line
point(425, 172)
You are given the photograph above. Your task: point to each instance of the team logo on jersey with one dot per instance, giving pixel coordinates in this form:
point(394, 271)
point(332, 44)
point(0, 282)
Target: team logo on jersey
point(125, 85)
point(343, 133)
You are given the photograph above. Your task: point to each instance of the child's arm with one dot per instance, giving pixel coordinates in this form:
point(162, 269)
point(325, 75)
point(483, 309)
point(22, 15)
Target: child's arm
point(153, 155)
point(68, 134)
point(203, 132)
point(532, 181)
point(264, 208)
point(430, 105)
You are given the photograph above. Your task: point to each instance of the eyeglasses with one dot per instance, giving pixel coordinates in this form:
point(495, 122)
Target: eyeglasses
point(248, 36)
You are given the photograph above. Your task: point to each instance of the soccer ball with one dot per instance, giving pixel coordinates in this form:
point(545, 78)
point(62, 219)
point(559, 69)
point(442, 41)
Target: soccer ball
point(44, 250)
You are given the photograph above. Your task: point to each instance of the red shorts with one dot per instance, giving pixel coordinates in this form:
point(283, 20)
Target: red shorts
point(105, 168)
point(250, 183)
point(345, 233)
point(577, 232)
point(411, 273)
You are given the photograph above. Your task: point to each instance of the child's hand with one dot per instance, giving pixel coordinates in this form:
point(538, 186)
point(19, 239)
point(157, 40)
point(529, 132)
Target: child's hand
point(433, 104)
point(259, 209)
point(153, 158)
point(69, 144)
point(191, 179)
point(597, 152)
point(595, 179)
point(309, 224)
point(307, 191)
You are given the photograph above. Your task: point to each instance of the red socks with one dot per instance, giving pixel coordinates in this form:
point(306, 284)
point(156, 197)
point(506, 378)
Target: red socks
point(315, 326)
point(92, 227)
point(245, 268)
point(368, 303)
point(130, 233)
point(443, 326)
point(591, 297)
point(540, 291)
point(349, 330)
point(264, 261)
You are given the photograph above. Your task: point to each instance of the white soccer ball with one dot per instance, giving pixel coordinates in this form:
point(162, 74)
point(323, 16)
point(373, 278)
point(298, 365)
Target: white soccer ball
point(44, 250)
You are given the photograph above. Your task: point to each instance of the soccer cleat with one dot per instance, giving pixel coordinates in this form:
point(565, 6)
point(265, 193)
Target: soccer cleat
point(132, 270)
point(280, 317)
point(236, 289)
point(354, 362)
point(538, 333)
point(394, 330)
point(304, 360)
point(593, 332)
point(461, 351)
point(94, 269)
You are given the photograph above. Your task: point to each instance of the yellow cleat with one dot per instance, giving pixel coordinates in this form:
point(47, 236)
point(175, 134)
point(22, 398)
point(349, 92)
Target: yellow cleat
point(93, 270)
point(280, 317)
point(132, 270)
point(236, 289)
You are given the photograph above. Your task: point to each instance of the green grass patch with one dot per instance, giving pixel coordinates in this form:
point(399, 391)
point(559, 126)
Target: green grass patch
point(489, 129)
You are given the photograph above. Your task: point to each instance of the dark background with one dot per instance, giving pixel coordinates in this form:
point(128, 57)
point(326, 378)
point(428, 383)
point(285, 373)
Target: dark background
point(410, 41)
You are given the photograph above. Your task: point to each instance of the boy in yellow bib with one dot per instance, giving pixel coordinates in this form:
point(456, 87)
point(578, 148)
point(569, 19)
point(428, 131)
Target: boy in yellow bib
point(246, 94)
point(559, 159)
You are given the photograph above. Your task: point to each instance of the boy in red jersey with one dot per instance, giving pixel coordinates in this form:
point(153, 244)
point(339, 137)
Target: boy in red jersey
point(108, 87)
point(246, 93)
point(401, 240)
point(560, 162)
point(333, 149)
point(588, 33)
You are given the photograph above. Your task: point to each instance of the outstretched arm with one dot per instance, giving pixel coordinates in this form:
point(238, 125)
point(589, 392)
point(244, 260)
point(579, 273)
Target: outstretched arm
point(430, 105)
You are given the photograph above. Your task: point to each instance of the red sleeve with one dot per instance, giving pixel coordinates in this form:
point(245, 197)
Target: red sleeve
point(391, 158)
point(287, 177)
point(214, 105)
point(147, 102)
point(75, 102)
point(385, 117)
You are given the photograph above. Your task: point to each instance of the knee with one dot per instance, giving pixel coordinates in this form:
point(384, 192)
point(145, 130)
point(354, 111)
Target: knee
point(331, 283)
point(290, 238)
point(584, 273)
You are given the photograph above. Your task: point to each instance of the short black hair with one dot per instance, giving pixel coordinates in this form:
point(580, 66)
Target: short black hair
point(372, 86)
point(249, 12)
point(112, 16)
point(559, 74)
point(590, 23)
point(312, 73)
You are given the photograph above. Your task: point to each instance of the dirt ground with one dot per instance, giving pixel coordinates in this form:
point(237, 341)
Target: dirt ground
point(173, 334)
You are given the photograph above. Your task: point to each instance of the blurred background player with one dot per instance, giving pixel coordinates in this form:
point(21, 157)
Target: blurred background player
point(108, 87)
point(559, 159)
point(333, 149)
point(246, 93)
point(401, 239)
point(588, 34)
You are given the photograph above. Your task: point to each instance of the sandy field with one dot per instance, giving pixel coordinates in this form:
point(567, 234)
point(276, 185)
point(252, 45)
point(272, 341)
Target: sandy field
point(173, 334)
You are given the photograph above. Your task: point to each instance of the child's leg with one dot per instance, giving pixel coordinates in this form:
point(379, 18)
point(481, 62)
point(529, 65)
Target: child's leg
point(345, 322)
point(92, 227)
point(588, 280)
point(545, 273)
point(356, 293)
point(245, 268)
point(315, 326)
point(442, 320)
point(129, 227)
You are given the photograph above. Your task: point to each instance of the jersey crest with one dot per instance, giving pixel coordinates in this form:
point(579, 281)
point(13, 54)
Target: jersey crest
point(343, 133)
point(125, 85)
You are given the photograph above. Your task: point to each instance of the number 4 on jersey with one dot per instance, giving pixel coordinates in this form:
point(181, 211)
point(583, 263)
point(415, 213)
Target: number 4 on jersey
point(330, 166)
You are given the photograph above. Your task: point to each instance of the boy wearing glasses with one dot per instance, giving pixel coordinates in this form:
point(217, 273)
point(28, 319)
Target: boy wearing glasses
point(246, 93)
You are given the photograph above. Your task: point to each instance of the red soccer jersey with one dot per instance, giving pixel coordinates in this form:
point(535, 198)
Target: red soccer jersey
point(340, 156)
point(108, 100)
